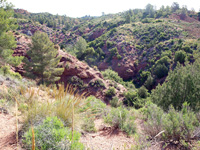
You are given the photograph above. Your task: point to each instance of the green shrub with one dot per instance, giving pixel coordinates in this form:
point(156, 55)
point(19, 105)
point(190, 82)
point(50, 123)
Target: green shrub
point(96, 106)
point(180, 56)
point(51, 134)
point(76, 81)
point(132, 99)
point(115, 102)
point(119, 56)
point(110, 92)
point(149, 82)
point(164, 60)
point(173, 125)
point(179, 125)
point(144, 75)
point(166, 53)
point(97, 83)
point(154, 118)
point(161, 70)
point(112, 75)
point(187, 49)
point(142, 92)
point(88, 124)
point(121, 118)
point(109, 44)
point(161, 67)
point(137, 47)
point(6, 71)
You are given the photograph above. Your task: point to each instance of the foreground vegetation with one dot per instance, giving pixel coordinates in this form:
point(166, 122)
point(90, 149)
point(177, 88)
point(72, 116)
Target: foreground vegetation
point(52, 117)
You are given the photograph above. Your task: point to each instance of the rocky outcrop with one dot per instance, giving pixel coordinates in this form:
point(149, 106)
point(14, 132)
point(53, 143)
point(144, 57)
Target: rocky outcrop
point(86, 78)
point(22, 45)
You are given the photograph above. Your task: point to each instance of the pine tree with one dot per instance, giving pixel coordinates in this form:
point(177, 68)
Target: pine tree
point(7, 40)
point(43, 60)
point(80, 48)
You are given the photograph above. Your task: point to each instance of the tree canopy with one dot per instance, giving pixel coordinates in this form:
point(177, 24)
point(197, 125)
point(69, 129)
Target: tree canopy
point(43, 58)
point(182, 85)
point(7, 40)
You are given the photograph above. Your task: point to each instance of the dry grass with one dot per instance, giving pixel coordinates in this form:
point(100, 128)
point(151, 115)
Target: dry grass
point(60, 101)
point(33, 138)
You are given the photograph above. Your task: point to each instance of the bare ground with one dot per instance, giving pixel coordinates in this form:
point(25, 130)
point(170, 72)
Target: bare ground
point(7, 132)
point(106, 138)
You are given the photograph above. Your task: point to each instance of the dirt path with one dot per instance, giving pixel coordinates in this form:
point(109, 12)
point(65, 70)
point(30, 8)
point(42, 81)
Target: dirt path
point(7, 132)
point(106, 138)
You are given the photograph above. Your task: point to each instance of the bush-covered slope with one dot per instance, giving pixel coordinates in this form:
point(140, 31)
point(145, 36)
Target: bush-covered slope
point(132, 43)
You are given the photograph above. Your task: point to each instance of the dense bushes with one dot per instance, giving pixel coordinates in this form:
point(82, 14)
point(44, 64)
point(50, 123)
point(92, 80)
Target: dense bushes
point(150, 34)
point(182, 85)
point(115, 102)
point(114, 52)
point(132, 98)
point(171, 126)
point(180, 125)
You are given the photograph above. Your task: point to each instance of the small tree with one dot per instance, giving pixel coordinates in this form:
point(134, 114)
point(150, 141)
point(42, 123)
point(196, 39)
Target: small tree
point(160, 70)
point(43, 58)
point(149, 82)
point(175, 7)
point(128, 18)
point(180, 56)
point(142, 92)
point(80, 48)
point(7, 40)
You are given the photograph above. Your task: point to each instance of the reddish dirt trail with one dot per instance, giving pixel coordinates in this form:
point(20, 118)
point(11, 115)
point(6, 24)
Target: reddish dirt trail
point(7, 132)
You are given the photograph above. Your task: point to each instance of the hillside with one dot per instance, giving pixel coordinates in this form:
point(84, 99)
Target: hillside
point(77, 73)
point(127, 81)
point(131, 47)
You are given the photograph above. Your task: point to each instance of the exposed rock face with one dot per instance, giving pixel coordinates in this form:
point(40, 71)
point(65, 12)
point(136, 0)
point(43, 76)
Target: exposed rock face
point(93, 80)
point(22, 45)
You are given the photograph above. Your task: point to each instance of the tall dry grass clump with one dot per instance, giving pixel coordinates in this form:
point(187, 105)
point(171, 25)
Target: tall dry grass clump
point(60, 101)
point(57, 102)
